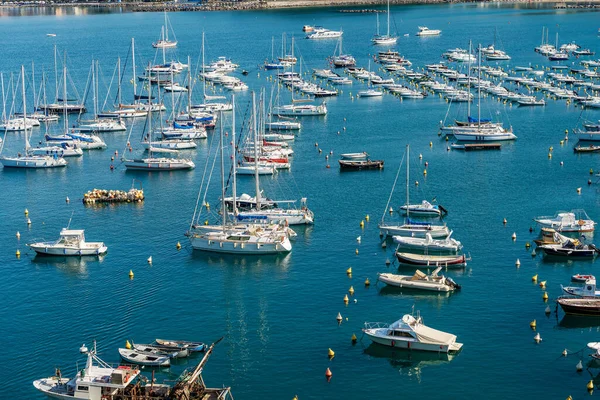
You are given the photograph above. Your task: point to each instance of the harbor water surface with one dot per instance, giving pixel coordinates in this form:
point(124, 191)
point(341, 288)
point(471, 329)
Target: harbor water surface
point(278, 314)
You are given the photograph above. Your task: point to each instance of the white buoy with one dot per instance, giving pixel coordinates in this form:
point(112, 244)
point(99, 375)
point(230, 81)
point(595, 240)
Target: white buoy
point(150, 260)
point(18, 236)
point(533, 253)
point(355, 301)
point(548, 311)
point(537, 338)
point(514, 236)
point(579, 366)
point(67, 200)
point(28, 221)
point(358, 239)
point(565, 353)
point(518, 263)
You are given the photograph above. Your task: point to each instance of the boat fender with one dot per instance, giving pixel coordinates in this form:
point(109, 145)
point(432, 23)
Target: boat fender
point(394, 343)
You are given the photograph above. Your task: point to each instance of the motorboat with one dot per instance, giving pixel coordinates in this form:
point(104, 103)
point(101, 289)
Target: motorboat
point(425, 31)
point(588, 289)
point(570, 248)
point(253, 170)
point(424, 209)
point(581, 278)
point(580, 306)
point(428, 260)
point(70, 243)
point(300, 110)
point(145, 358)
point(370, 93)
point(547, 237)
point(322, 33)
point(414, 229)
point(448, 244)
point(573, 221)
point(98, 381)
point(283, 125)
point(420, 281)
point(411, 333)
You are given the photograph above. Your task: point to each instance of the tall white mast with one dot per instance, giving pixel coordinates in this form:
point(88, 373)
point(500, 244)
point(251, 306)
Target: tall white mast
point(133, 66)
point(234, 158)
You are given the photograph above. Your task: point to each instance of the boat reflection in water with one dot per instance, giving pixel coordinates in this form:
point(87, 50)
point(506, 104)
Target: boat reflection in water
point(409, 363)
point(394, 291)
point(257, 262)
point(70, 265)
point(578, 322)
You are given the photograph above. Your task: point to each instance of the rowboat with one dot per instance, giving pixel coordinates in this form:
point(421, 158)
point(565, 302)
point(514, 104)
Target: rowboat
point(428, 260)
point(191, 346)
point(144, 358)
point(171, 351)
point(579, 306)
point(359, 165)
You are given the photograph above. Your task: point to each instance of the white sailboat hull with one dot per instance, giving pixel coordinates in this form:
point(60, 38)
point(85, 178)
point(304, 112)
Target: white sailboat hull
point(33, 162)
point(417, 231)
point(219, 242)
point(50, 249)
point(377, 336)
point(159, 164)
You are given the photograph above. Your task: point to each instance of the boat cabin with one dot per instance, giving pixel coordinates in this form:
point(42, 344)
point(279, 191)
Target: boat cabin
point(71, 237)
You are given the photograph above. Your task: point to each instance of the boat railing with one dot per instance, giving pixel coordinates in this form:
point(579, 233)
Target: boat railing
point(376, 325)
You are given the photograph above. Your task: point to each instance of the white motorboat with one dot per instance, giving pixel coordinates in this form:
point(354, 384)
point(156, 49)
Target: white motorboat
point(64, 150)
point(425, 31)
point(174, 143)
point(145, 358)
point(175, 87)
point(420, 281)
point(300, 110)
point(573, 221)
point(410, 333)
point(322, 33)
point(428, 243)
point(253, 170)
point(588, 289)
point(425, 209)
point(283, 125)
point(70, 243)
point(370, 93)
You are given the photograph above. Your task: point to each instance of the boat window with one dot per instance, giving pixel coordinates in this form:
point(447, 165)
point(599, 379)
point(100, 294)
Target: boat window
point(82, 388)
point(401, 334)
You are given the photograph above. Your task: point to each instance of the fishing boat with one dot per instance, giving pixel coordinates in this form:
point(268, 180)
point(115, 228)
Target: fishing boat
point(573, 221)
point(387, 39)
point(411, 333)
point(421, 281)
point(425, 31)
point(70, 243)
point(148, 359)
point(588, 289)
point(547, 237)
point(191, 346)
point(428, 260)
point(569, 248)
point(100, 381)
point(170, 351)
point(580, 306)
point(448, 244)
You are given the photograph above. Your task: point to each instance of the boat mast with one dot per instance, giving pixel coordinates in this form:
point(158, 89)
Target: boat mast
point(469, 81)
point(224, 208)
point(203, 76)
point(133, 66)
point(24, 109)
point(234, 158)
point(33, 84)
point(407, 181)
point(119, 85)
point(254, 127)
point(166, 29)
point(162, 33)
point(65, 97)
point(95, 86)
point(388, 19)
point(56, 72)
point(43, 89)
point(189, 89)
point(149, 118)
point(478, 86)
point(377, 33)
point(3, 98)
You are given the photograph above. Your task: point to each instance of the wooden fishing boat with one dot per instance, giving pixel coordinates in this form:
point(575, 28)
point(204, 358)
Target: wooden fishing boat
point(547, 237)
point(579, 306)
point(191, 346)
point(349, 165)
point(427, 260)
point(170, 351)
point(144, 358)
point(586, 149)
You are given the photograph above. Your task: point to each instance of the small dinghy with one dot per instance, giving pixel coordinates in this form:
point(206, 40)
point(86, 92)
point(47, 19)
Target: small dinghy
point(144, 358)
point(421, 281)
point(191, 346)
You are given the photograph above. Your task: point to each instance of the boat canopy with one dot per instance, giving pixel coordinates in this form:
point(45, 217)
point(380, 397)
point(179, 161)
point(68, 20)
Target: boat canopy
point(478, 120)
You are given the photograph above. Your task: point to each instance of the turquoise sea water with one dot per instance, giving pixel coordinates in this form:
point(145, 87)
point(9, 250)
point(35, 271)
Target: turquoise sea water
point(277, 314)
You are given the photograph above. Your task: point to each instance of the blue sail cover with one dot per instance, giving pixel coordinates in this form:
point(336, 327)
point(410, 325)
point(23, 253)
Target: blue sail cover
point(480, 120)
point(411, 222)
point(251, 217)
point(179, 126)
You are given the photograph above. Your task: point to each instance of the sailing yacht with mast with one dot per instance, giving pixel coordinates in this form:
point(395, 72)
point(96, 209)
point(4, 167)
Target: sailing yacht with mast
point(152, 163)
point(342, 60)
point(209, 106)
point(164, 42)
point(29, 160)
point(255, 239)
point(410, 228)
point(384, 40)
